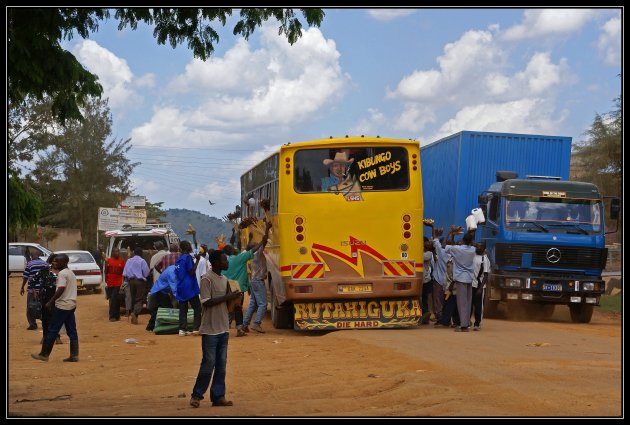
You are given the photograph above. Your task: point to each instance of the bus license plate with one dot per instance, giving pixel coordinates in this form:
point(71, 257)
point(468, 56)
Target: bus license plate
point(552, 287)
point(354, 289)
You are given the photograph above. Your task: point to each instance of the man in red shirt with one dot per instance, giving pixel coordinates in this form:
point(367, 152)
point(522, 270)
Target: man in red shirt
point(114, 267)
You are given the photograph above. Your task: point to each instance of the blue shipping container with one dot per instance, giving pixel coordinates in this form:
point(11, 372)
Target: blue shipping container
point(458, 168)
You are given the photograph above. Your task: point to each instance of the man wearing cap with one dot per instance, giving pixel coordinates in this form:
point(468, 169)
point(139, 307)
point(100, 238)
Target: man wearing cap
point(338, 170)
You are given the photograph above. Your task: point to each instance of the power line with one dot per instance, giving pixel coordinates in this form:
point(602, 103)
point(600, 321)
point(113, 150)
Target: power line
point(161, 157)
point(156, 175)
point(209, 148)
point(188, 164)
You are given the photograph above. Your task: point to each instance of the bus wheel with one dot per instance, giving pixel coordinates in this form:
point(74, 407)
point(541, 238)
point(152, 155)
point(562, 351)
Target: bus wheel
point(581, 313)
point(280, 315)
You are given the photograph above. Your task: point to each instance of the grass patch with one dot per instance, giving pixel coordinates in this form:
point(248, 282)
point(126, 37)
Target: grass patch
point(610, 303)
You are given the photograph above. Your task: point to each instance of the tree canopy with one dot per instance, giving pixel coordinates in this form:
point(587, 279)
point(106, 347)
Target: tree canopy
point(82, 172)
point(39, 67)
point(601, 151)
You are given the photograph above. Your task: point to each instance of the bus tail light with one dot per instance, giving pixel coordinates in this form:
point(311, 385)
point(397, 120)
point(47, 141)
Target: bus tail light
point(406, 226)
point(303, 289)
point(299, 228)
point(402, 286)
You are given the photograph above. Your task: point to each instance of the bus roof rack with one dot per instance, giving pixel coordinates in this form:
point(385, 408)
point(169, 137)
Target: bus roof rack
point(544, 177)
point(147, 226)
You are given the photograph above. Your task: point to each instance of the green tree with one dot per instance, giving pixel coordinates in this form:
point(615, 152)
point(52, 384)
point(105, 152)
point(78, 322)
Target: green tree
point(24, 206)
point(155, 211)
point(38, 66)
point(601, 157)
point(601, 151)
point(83, 172)
point(30, 126)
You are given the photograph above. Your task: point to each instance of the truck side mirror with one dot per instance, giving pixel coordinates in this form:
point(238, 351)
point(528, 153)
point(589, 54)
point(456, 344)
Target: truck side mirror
point(615, 207)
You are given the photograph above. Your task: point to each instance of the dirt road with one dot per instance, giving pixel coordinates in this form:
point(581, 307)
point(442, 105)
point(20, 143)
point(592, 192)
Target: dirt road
point(519, 369)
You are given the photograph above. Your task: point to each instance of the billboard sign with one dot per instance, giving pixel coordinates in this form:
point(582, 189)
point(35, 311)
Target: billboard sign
point(134, 202)
point(114, 218)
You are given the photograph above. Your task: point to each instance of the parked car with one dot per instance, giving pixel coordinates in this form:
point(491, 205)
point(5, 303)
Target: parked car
point(85, 268)
point(19, 255)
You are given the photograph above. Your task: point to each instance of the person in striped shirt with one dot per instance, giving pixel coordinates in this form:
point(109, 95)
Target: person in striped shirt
point(32, 267)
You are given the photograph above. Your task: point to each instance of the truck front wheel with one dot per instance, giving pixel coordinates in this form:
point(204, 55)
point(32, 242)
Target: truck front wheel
point(581, 313)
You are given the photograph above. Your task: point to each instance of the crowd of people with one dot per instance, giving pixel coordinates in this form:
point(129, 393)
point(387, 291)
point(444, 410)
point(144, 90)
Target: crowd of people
point(181, 276)
point(455, 277)
point(454, 280)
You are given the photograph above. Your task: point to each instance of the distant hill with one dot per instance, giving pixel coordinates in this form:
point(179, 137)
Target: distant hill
point(207, 227)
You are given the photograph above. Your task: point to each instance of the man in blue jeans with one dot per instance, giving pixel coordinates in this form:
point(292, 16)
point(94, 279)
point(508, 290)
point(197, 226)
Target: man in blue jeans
point(214, 330)
point(237, 270)
point(258, 291)
point(63, 305)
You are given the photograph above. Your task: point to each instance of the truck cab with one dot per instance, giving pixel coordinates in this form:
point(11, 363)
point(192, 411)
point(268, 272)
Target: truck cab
point(545, 241)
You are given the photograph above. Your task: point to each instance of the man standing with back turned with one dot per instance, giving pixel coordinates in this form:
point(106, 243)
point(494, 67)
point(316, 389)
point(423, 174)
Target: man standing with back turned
point(214, 330)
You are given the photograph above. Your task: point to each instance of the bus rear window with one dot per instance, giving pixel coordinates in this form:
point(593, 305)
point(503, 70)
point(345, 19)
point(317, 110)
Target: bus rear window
point(352, 169)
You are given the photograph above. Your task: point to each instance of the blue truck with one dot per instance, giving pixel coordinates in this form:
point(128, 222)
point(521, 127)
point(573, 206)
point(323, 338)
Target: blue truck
point(544, 234)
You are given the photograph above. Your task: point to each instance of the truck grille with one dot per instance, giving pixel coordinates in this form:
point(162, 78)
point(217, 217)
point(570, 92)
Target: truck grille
point(570, 257)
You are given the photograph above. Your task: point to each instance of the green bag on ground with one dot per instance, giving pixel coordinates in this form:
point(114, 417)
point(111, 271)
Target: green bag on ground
point(167, 321)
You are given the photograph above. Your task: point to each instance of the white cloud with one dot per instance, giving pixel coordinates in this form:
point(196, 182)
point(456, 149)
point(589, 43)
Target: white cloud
point(258, 155)
point(169, 126)
point(147, 80)
point(278, 84)
point(216, 191)
point(147, 185)
point(467, 60)
point(540, 75)
point(497, 84)
point(529, 115)
point(389, 14)
point(369, 126)
point(414, 118)
point(609, 43)
point(544, 22)
point(113, 72)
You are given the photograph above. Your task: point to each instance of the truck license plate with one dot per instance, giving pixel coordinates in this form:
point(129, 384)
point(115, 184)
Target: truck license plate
point(353, 289)
point(552, 287)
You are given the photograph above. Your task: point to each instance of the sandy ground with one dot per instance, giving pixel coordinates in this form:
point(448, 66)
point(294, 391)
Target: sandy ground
point(518, 369)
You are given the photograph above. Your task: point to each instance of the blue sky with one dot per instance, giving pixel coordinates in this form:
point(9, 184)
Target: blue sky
point(405, 73)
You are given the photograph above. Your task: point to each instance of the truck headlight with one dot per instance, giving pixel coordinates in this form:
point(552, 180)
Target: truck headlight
point(513, 283)
point(588, 286)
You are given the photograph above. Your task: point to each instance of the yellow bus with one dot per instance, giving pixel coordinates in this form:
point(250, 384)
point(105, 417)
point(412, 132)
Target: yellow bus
point(346, 247)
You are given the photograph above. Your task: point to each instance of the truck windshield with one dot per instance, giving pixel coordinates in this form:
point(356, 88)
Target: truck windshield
point(576, 215)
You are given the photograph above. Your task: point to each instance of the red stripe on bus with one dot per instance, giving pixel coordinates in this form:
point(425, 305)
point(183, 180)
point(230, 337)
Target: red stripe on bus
point(391, 268)
point(405, 268)
point(300, 271)
point(315, 271)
